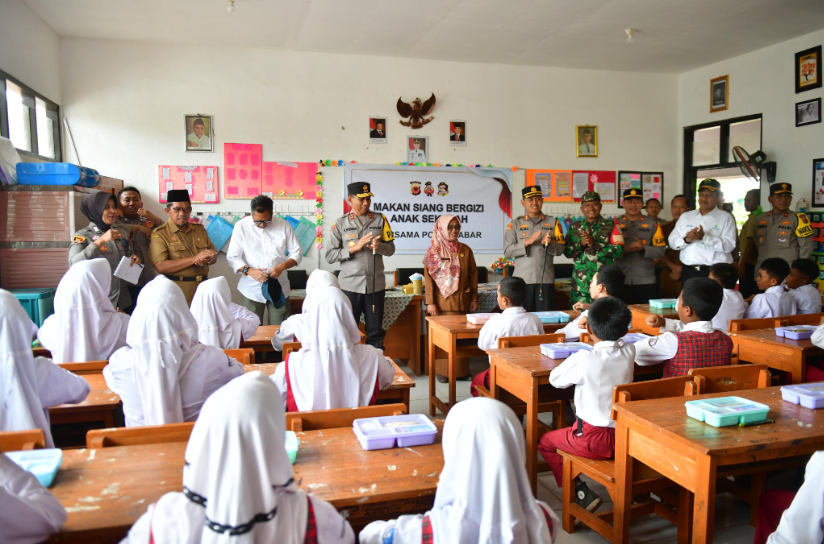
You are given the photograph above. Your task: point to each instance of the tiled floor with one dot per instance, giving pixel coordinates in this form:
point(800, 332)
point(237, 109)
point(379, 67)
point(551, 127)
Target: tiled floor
point(732, 516)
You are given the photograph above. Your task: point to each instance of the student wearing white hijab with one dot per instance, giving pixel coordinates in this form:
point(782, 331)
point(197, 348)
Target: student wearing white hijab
point(292, 329)
point(238, 483)
point(85, 325)
point(331, 370)
point(165, 374)
point(483, 493)
point(29, 385)
point(28, 512)
point(221, 324)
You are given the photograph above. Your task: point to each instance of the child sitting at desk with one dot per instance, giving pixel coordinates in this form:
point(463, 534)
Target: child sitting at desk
point(775, 301)
point(607, 282)
point(30, 385)
point(85, 325)
point(290, 330)
point(593, 373)
point(238, 482)
point(28, 512)
point(221, 323)
point(732, 305)
point(483, 494)
point(165, 375)
point(331, 370)
point(803, 273)
point(697, 344)
point(513, 321)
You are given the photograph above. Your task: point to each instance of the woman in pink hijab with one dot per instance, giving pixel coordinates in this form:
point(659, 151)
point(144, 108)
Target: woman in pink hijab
point(451, 281)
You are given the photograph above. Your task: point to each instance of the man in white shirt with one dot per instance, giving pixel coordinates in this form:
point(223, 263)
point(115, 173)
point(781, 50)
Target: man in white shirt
point(803, 273)
point(263, 248)
point(704, 236)
point(775, 301)
point(587, 146)
point(198, 139)
point(607, 282)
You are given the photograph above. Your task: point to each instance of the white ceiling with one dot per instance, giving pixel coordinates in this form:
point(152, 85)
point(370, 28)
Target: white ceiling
point(675, 35)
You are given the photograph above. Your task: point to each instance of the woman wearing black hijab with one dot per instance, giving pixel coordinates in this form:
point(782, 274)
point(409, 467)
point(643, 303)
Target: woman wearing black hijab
point(101, 240)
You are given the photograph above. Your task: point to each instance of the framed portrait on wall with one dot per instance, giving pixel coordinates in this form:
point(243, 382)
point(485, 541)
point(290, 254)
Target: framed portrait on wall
point(417, 149)
point(818, 182)
point(457, 132)
point(808, 112)
point(586, 141)
point(377, 130)
point(199, 133)
point(719, 93)
point(808, 69)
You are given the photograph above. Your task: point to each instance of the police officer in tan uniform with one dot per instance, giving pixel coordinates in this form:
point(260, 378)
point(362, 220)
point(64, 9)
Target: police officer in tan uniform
point(181, 250)
point(526, 241)
point(353, 237)
point(643, 243)
point(782, 232)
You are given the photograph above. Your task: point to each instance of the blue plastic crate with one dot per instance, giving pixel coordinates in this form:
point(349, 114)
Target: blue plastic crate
point(56, 173)
point(38, 303)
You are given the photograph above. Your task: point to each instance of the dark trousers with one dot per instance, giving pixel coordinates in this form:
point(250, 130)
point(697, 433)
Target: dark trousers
point(639, 294)
point(689, 272)
point(362, 304)
point(747, 285)
point(533, 291)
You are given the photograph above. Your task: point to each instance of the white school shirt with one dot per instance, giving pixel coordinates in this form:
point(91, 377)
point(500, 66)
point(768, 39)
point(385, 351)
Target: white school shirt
point(572, 330)
point(514, 321)
point(262, 248)
point(249, 321)
point(732, 307)
point(807, 299)
point(773, 302)
point(658, 349)
point(207, 373)
point(594, 374)
point(803, 521)
point(720, 237)
point(818, 336)
point(28, 512)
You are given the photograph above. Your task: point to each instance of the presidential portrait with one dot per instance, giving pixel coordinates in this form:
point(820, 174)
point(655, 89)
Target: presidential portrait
point(199, 133)
point(457, 133)
point(377, 130)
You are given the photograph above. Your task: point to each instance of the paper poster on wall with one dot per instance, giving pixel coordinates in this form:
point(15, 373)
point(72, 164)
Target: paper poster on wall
point(650, 183)
point(200, 181)
point(601, 181)
point(242, 170)
point(555, 184)
point(290, 180)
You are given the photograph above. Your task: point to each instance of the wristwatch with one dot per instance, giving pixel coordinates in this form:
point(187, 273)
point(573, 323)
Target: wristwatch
point(245, 270)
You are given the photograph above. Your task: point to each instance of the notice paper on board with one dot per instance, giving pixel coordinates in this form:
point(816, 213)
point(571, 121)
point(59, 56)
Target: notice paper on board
point(127, 271)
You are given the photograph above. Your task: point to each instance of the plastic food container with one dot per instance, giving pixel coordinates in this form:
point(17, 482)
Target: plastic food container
point(56, 173)
point(381, 433)
point(797, 332)
point(663, 302)
point(292, 444)
point(42, 463)
point(478, 319)
point(726, 411)
point(633, 337)
point(553, 317)
point(563, 350)
point(808, 395)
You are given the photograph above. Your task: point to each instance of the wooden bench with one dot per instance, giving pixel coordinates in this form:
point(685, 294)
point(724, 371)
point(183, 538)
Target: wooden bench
point(773, 322)
point(342, 417)
point(723, 379)
point(136, 436)
point(245, 356)
point(88, 367)
point(22, 440)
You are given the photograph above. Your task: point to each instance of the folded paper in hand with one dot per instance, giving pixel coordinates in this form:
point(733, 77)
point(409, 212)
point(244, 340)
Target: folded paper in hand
point(129, 273)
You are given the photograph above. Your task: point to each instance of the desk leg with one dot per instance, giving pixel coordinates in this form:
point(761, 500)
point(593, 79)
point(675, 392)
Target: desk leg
point(623, 484)
point(406, 399)
point(430, 355)
point(415, 341)
point(453, 362)
point(799, 367)
point(704, 509)
point(494, 390)
point(532, 436)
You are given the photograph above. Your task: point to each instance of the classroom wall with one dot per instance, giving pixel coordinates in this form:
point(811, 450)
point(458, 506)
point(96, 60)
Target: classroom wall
point(761, 81)
point(126, 100)
point(30, 49)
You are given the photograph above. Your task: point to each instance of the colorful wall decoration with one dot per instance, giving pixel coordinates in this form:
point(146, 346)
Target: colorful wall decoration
point(242, 165)
point(200, 181)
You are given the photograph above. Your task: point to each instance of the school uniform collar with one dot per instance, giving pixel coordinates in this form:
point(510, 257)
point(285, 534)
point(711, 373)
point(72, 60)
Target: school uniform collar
point(603, 344)
point(776, 289)
point(699, 326)
point(515, 310)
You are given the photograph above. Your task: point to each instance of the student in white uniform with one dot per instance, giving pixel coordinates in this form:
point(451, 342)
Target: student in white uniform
point(804, 291)
point(85, 325)
point(513, 321)
point(331, 370)
point(221, 323)
point(607, 282)
point(483, 494)
point(30, 385)
point(166, 374)
point(594, 374)
point(28, 512)
point(775, 301)
point(238, 482)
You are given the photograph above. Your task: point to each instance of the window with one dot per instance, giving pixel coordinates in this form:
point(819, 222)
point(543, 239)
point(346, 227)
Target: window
point(30, 120)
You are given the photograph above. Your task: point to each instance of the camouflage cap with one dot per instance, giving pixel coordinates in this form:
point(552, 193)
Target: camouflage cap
point(590, 196)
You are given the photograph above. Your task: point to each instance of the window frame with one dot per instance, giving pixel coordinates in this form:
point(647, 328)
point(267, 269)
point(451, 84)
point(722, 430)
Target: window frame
point(725, 160)
point(30, 95)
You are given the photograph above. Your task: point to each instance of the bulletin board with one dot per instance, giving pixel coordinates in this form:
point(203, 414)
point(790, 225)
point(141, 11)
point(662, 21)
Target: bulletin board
point(200, 181)
point(650, 183)
point(601, 181)
point(242, 166)
point(555, 184)
point(290, 180)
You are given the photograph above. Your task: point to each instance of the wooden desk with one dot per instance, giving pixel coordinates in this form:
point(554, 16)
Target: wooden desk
point(640, 313)
point(444, 333)
point(659, 434)
point(398, 391)
point(763, 346)
point(105, 491)
point(261, 341)
point(100, 405)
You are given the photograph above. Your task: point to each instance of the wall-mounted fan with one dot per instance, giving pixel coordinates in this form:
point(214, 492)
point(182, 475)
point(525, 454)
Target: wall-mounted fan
point(754, 166)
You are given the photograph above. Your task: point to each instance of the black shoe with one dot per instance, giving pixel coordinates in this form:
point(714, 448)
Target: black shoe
point(586, 498)
point(442, 379)
point(464, 378)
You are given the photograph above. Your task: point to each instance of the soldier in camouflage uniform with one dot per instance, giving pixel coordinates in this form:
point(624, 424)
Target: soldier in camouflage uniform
point(591, 243)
